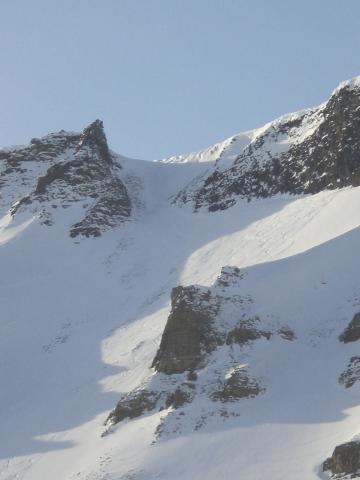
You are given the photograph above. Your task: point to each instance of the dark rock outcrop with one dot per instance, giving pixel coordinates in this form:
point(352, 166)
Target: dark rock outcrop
point(189, 334)
point(193, 330)
point(137, 403)
point(89, 177)
point(287, 333)
point(178, 398)
point(238, 385)
point(304, 153)
point(344, 461)
point(112, 208)
point(94, 137)
point(352, 373)
point(228, 276)
point(247, 331)
point(352, 331)
point(133, 405)
point(199, 345)
point(42, 150)
point(250, 329)
point(21, 166)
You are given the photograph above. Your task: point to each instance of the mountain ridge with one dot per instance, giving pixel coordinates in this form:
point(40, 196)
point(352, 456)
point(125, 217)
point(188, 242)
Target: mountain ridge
point(304, 152)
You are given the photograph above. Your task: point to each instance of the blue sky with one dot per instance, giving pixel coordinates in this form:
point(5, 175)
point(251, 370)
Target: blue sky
point(168, 76)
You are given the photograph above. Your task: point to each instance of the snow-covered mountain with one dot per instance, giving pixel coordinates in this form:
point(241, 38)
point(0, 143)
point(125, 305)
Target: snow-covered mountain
point(305, 152)
point(78, 171)
point(196, 317)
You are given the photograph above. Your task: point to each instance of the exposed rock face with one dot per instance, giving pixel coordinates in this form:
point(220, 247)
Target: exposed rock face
point(94, 137)
point(189, 334)
point(133, 405)
point(20, 167)
point(87, 176)
point(352, 373)
point(188, 365)
point(238, 385)
point(42, 149)
point(247, 331)
point(178, 398)
point(228, 276)
point(138, 402)
point(352, 331)
point(345, 460)
point(112, 207)
point(302, 153)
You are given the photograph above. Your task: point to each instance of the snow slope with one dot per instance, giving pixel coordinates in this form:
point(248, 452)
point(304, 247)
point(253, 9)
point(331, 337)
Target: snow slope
point(78, 332)
point(82, 318)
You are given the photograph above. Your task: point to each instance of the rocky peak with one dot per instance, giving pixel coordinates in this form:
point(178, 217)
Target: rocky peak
point(83, 174)
point(93, 136)
point(305, 152)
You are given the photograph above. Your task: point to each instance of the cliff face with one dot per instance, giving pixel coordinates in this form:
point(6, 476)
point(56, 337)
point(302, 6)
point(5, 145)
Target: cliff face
point(207, 335)
point(189, 331)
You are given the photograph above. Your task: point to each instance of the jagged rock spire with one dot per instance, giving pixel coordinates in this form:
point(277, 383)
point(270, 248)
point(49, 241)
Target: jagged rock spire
point(94, 136)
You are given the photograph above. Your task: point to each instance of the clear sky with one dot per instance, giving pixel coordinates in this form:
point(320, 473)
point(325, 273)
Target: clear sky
point(168, 76)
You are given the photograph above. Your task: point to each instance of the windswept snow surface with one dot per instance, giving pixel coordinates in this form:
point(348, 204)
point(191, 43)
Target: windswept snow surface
point(81, 321)
point(227, 151)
